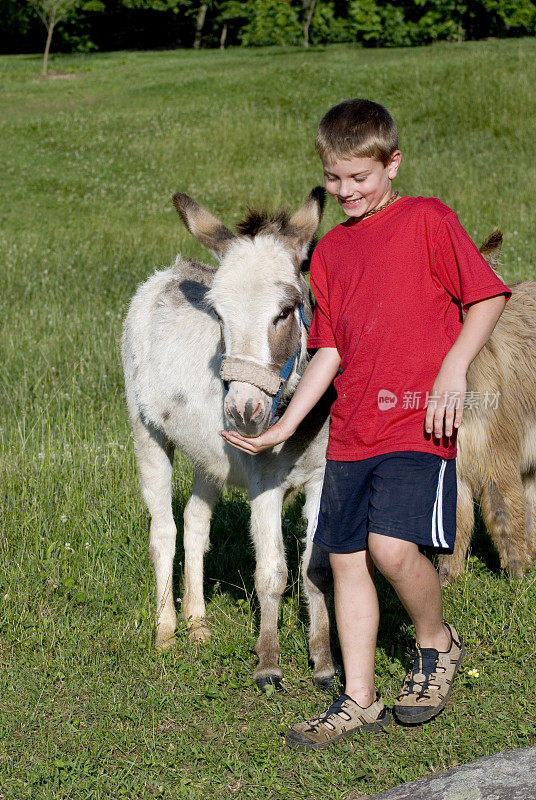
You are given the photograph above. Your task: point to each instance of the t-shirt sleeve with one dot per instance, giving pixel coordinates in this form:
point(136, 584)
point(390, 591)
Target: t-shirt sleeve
point(321, 332)
point(460, 267)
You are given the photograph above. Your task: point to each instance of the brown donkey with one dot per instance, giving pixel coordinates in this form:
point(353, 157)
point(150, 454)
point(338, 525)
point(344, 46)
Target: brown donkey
point(497, 438)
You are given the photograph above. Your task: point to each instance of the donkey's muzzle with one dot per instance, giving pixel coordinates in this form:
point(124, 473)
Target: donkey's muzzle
point(253, 392)
point(248, 414)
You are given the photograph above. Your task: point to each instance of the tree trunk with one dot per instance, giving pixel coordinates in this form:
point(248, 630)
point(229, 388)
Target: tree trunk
point(223, 36)
point(307, 21)
point(50, 31)
point(199, 22)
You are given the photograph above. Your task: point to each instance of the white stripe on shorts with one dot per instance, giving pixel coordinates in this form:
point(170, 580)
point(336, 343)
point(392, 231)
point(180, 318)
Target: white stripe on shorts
point(315, 523)
point(438, 534)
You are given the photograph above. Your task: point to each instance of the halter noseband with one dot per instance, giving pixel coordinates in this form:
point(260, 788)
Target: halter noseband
point(240, 369)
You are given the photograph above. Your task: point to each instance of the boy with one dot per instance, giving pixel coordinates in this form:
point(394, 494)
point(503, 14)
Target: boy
point(389, 284)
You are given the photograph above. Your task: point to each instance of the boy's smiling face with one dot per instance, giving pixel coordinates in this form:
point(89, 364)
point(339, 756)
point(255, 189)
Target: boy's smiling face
point(360, 184)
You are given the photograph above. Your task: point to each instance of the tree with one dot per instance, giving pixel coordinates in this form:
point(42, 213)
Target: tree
point(308, 11)
point(199, 22)
point(50, 12)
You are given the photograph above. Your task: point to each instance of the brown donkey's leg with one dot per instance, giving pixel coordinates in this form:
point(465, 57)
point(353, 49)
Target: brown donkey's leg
point(503, 509)
point(529, 486)
point(451, 567)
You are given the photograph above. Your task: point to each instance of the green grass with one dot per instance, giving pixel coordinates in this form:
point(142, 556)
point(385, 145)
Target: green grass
point(88, 166)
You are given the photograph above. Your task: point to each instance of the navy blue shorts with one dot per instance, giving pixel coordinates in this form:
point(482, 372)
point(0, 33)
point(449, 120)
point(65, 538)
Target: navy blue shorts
point(406, 495)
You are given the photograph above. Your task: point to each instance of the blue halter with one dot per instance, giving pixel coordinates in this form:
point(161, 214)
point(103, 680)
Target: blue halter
point(287, 369)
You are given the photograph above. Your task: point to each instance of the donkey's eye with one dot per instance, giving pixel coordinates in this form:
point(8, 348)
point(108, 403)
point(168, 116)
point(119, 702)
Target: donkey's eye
point(286, 312)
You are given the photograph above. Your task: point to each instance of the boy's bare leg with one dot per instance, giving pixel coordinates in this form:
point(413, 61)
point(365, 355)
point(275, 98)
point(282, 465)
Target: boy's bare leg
point(416, 582)
point(357, 614)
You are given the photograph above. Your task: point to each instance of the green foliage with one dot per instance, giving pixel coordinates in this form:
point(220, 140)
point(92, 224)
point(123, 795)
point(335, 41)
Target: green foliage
point(269, 22)
point(56, 10)
point(519, 15)
point(157, 5)
point(326, 26)
point(171, 23)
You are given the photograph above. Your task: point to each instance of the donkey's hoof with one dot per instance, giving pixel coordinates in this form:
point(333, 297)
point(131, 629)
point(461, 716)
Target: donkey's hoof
point(445, 578)
point(515, 570)
point(446, 574)
point(163, 641)
point(198, 633)
point(263, 681)
point(325, 682)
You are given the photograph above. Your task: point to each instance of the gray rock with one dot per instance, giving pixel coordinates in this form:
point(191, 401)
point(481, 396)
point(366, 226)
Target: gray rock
point(504, 776)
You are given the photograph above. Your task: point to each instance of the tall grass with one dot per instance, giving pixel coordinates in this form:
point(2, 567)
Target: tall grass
point(89, 162)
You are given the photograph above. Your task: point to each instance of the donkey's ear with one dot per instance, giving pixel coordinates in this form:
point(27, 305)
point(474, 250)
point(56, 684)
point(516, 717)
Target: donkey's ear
point(491, 248)
point(303, 225)
point(201, 224)
point(307, 218)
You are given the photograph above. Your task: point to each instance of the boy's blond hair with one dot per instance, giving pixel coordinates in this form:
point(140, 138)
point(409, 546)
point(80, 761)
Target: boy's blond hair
point(357, 128)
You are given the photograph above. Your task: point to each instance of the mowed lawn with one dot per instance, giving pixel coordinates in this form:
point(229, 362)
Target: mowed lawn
point(88, 162)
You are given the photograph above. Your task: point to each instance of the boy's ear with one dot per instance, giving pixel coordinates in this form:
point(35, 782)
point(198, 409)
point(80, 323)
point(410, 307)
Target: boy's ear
point(203, 225)
point(394, 164)
point(304, 223)
point(491, 248)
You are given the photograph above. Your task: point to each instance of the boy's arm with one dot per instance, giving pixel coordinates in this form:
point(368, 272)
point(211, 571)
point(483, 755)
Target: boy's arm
point(450, 384)
point(320, 372)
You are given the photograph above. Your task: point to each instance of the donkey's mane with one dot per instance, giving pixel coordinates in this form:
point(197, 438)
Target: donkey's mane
point(256, 222)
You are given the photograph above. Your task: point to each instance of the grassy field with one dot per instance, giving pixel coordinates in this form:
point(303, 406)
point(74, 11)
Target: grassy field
point(89, 161)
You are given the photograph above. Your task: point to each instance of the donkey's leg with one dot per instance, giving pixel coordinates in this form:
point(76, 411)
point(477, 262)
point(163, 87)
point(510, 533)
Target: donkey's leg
point(270, 580)
point(503, 509)
point(317, 581)
point(529, 486)
point(197, 516)
point(154, 456)
point(451, 567)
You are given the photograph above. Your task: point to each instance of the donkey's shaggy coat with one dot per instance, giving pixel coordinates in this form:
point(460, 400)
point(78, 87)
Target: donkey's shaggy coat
point(180, 324)
point(496, 462)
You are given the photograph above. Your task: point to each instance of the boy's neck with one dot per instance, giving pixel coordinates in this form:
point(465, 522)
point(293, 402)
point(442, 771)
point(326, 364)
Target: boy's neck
point(391, 199)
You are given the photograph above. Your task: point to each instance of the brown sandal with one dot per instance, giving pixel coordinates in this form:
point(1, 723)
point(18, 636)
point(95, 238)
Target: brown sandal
point(428, 684)
point(343, 718)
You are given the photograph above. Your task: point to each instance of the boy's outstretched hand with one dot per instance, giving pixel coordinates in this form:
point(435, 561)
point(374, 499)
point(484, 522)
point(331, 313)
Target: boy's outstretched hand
point(274, 435)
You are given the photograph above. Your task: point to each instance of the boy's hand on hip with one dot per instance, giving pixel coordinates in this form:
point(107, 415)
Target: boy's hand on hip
point(444, 411)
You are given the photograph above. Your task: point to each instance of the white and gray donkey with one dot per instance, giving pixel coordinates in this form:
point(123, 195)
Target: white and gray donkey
point(206, 348)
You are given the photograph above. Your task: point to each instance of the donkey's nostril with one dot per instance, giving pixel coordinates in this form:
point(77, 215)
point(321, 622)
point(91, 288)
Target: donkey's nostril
point(252, 410)
point(257, 410)
point(236, 415)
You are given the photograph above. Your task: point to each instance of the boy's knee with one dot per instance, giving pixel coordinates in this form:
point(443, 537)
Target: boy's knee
point(393, 557)
point(350, 565)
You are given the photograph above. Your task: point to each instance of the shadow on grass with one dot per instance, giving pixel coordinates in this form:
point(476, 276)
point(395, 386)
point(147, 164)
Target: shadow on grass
point(230, 564)
point(287, 50)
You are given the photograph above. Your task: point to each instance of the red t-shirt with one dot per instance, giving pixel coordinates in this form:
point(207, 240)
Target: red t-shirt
point(389, 291)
